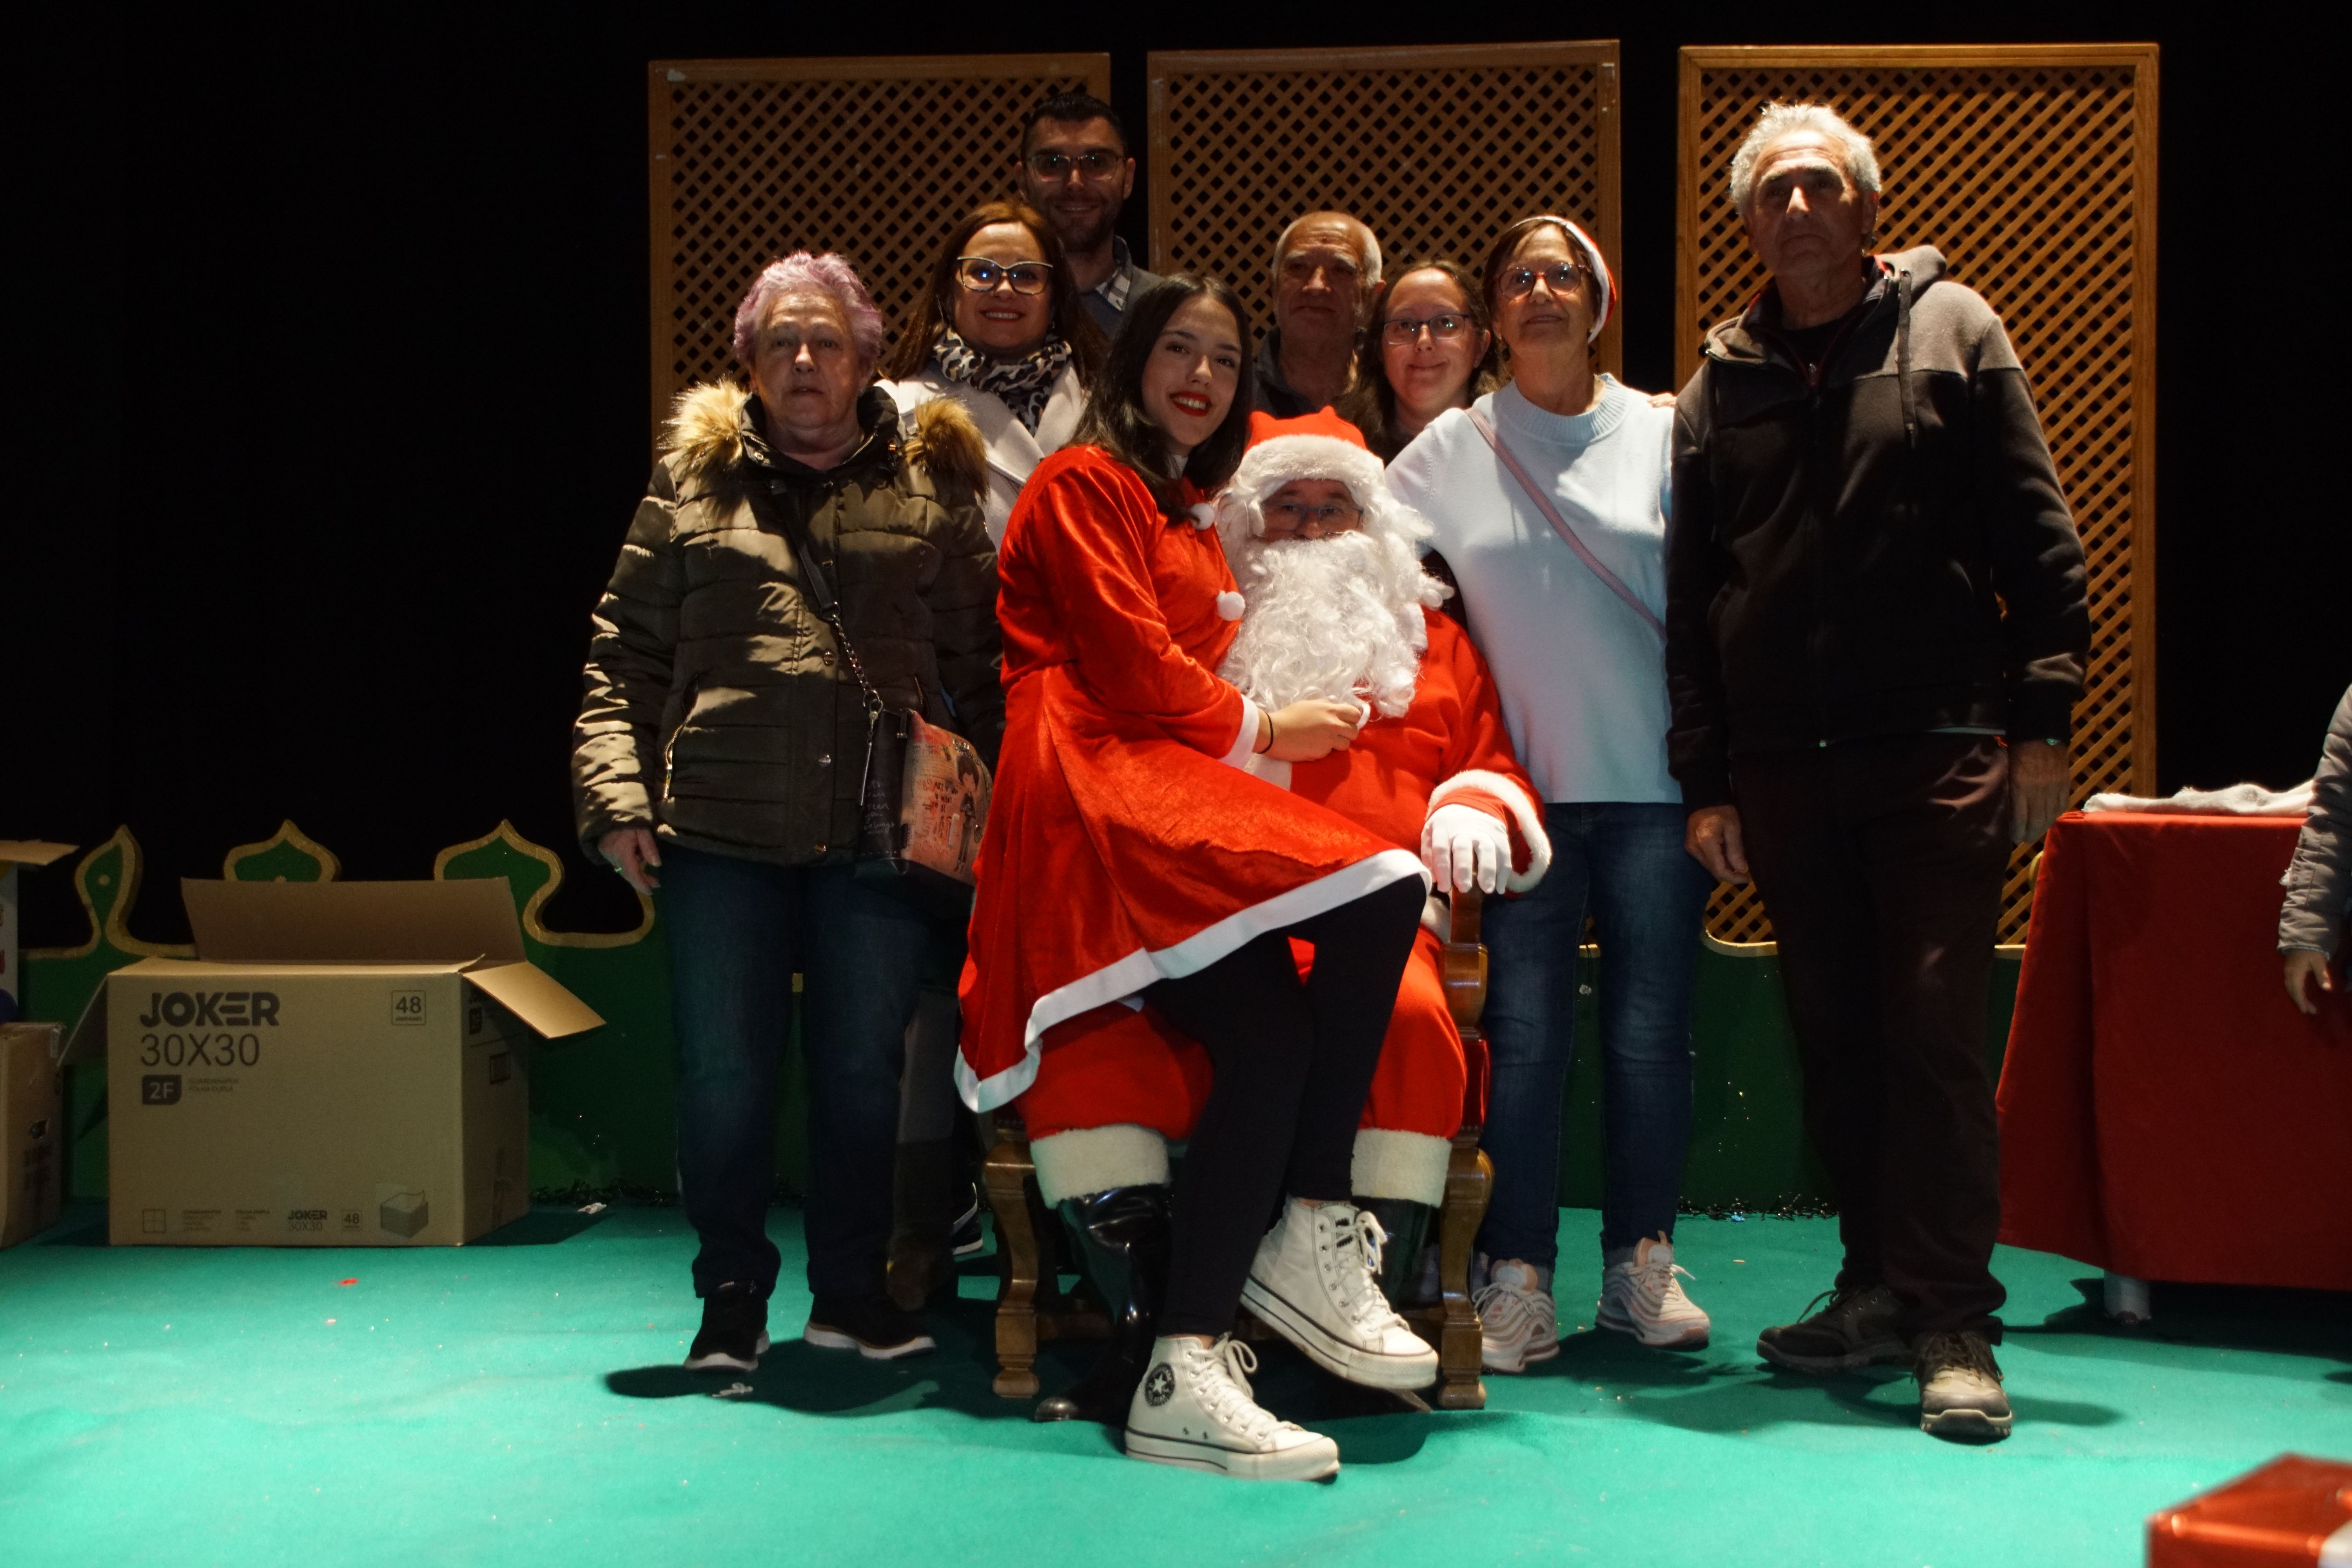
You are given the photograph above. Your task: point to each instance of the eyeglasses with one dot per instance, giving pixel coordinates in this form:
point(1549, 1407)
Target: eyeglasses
point(1094, 164)
point(981, 275)
point(1563, 276)
point(1293, 516)
point(1403, 330)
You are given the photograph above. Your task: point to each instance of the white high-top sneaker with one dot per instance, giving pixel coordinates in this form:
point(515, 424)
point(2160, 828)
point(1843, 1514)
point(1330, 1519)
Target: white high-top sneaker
point(1643, 1299)
point(1316, 1281)
point(1194, 1408)
point(1517, 1324)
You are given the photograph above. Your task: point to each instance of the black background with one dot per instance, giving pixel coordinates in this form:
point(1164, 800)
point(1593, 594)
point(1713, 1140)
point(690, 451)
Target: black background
point(332, 384)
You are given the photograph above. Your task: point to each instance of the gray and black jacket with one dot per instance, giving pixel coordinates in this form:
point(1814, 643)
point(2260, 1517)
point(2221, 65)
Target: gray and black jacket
point(2318, 880)
point(1878, 547)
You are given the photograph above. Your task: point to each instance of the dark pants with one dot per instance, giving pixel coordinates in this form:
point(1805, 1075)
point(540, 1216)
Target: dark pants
point(1623, 862)
point(1881, 864)
point(1294, 1063)
point(738, 931)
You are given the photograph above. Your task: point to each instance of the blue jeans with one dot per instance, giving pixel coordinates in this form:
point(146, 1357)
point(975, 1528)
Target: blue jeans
point(738, 931)
point(1624, 863)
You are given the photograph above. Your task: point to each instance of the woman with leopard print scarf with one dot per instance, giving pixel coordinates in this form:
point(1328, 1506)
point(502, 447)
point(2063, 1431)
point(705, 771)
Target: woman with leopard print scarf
point(1001, 331)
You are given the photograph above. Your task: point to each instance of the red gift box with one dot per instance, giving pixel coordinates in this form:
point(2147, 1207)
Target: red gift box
point(2283, 1514)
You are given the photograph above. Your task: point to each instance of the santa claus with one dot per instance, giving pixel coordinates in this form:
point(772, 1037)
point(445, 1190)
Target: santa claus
point(1332, 603)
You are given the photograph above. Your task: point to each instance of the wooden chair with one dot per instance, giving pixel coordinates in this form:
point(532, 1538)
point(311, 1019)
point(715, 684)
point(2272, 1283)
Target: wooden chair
point(1033, 1307)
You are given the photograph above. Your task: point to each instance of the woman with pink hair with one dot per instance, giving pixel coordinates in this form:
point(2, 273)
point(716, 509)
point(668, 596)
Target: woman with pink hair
point(801, 553)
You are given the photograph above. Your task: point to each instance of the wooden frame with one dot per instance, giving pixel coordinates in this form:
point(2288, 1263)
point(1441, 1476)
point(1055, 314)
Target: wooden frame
point(2033, 166)
point(1243, 141)
point(872, 156)
point(1032, 1308)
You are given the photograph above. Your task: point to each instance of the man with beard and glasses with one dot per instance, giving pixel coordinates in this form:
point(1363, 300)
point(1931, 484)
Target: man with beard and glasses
point(1332, 602)
point(1075, 169)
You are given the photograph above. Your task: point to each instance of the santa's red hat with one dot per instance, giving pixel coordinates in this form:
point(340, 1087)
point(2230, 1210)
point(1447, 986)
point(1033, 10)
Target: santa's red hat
point(1317, 446)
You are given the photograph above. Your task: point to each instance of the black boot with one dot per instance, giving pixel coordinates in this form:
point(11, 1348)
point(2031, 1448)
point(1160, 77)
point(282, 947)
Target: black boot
point(924, 1208)
point(1124, 1234)
point(1407, 1224)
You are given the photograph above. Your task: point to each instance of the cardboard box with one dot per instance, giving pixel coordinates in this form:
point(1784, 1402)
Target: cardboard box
point(2295, 1509)
point(342, 1064)
point(32, 1131)
point(16, 852)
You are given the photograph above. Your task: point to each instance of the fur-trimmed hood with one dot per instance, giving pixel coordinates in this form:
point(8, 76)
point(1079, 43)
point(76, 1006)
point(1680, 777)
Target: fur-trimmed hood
point(712, 428)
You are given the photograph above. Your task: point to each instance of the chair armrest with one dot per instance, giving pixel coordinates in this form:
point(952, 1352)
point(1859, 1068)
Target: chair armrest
point(1463, 961)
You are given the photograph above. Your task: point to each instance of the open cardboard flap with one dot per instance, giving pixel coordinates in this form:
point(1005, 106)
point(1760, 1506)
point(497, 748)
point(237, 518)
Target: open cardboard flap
point(535, 997)
point(469, 926)
point(31, 851)
point(352, 922)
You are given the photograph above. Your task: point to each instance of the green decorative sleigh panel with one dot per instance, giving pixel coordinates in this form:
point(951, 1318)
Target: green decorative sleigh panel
point(602, 1103)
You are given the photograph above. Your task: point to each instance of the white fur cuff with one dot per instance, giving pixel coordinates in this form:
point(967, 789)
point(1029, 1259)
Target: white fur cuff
point(1245, 744)
point(1524, 813)
point(1387, 1165)
point(1095, 1158)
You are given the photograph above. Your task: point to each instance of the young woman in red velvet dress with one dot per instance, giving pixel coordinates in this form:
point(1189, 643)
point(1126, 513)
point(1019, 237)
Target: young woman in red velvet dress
point(1128, 858)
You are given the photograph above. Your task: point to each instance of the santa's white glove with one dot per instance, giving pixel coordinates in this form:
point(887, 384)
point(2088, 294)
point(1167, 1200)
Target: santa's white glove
point(1463, 846)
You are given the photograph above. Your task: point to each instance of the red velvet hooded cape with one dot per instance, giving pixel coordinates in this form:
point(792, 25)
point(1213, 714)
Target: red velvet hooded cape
point(1124, 844)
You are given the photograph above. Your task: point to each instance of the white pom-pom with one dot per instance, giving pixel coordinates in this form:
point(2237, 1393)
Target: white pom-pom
point(1229, 605)
point(1204, 516)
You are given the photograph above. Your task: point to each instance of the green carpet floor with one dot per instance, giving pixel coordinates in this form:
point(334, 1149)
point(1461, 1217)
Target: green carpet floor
point(518, 1403)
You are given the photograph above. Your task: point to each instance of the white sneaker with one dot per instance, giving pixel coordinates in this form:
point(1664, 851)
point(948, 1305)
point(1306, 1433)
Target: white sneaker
point(1643, 1299)
point(1194, 1408)
point(1517, 1324)
point(1316, 1281)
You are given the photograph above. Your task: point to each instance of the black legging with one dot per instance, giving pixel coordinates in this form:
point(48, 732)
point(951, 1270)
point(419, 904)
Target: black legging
point(1293, 1062)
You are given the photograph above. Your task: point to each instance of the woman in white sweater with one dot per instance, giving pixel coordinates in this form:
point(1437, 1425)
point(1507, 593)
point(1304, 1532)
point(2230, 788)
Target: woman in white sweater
point(1001, 331)
point(1549, 497)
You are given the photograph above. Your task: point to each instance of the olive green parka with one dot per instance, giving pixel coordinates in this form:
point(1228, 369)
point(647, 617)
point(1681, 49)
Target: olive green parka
point(719, 712)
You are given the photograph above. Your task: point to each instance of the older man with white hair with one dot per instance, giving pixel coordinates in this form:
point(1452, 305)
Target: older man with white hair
point(1877, 628)
point(1327, 273)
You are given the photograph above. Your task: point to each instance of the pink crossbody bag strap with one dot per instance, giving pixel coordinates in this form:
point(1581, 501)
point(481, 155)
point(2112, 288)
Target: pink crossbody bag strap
point(1560, 524)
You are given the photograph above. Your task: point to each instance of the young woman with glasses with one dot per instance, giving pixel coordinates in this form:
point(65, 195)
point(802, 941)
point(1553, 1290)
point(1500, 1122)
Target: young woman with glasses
point(1130, 859)
point(1001, 331)
point(1430, 347)
point(1548, 498)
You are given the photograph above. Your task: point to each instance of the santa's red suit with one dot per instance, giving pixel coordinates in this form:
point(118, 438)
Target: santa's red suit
point(1125, 842)
point(1114, 1084)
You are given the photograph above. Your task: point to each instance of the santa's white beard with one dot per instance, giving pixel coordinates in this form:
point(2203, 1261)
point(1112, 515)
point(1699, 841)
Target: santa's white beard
point(1333, 618)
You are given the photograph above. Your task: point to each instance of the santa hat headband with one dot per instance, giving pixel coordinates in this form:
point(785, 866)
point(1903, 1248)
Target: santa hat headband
point(1319, 446)
point(1592, 260)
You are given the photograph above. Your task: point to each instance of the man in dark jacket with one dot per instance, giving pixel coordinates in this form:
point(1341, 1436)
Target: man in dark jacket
point(1875, 634)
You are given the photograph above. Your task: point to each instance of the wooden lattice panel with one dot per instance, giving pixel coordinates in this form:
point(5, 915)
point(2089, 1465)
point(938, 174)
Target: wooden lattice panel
point(2033, 170)
point(875, 158)
point(1438, 149)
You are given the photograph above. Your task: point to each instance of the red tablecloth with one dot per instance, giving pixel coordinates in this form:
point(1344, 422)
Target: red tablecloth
point(2165, 1111)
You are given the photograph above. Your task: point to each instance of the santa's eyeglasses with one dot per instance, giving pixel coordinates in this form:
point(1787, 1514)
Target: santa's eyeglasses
point(1290, 516)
